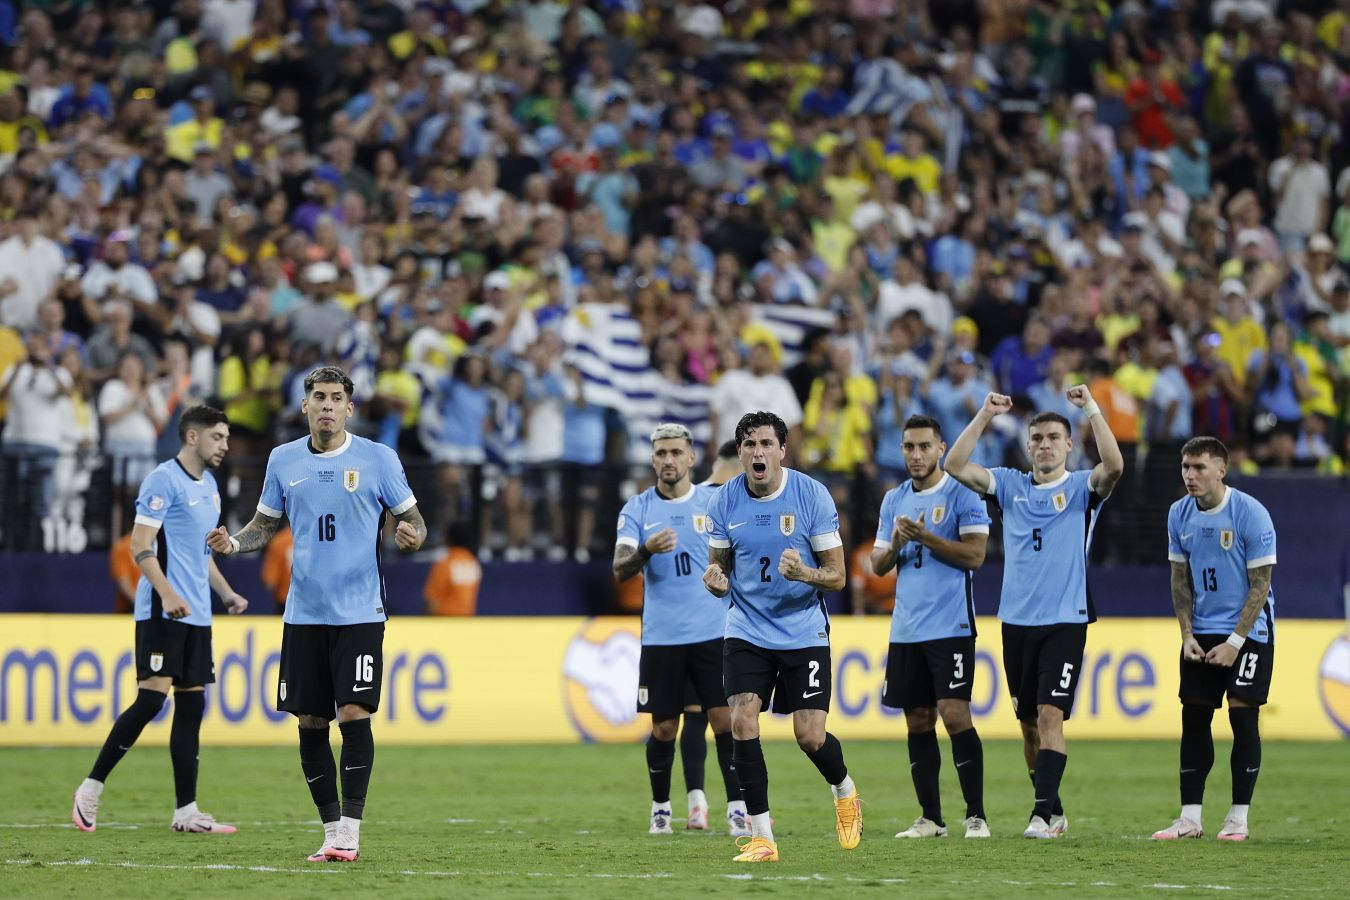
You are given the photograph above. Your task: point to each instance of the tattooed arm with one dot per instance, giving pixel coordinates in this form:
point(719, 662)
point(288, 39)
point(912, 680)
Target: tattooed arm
point(411, 532)
point(1258, 589)
point(716, 576)
point(1183, 602)
point(253, 536)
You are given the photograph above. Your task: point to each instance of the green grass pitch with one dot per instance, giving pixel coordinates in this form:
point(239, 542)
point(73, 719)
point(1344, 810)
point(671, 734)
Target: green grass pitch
point(571, 821)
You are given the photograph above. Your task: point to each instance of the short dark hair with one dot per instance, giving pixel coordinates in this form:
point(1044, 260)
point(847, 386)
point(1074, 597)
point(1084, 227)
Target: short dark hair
point(921, 421)
point(1048, 416)
point(200, 418)
point(1204, 445)
point(329, 375)
point(750, 421)
point(727, 450)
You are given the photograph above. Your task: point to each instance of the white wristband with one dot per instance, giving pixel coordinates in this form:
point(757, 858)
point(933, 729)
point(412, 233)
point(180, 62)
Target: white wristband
point(1092, 409)
point(1236, 641)
point(234, 544)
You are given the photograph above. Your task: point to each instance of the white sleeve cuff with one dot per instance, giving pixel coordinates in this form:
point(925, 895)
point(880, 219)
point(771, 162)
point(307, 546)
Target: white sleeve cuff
point(719, 543)
point(1263, 561)
point(993, 484)
point(973, 529)
point(397, 510)
point(625, 541)
point(269, 511)
point(149, 522)
point(822, 542)
point(1177, 557)
point(882, 545)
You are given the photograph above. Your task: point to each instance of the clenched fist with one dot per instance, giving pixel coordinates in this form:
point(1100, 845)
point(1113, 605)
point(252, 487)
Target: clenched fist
point(995, 404)
point(715, 580)
point(791, 567)
point(218, 539)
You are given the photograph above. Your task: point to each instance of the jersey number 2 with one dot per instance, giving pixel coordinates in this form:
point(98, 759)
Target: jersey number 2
point(764, 569)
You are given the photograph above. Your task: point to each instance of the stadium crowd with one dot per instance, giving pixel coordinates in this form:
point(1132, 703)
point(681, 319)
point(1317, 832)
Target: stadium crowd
point(532, 230)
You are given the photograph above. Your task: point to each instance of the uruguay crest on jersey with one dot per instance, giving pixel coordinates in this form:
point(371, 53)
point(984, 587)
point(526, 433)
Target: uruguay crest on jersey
point(1226, 538)
point(1060, 501)
point(787, 523)
point(351, 479)
point(939, 513)
point(700, 523)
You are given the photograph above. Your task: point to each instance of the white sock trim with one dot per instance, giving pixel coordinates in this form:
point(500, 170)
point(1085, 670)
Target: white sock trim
point(845, 788)
point(353, 824)
point(1238, 812)
point(90, 786)
point(698, 798)
point(760, 826)
point(1191, 811)
point(183, 812)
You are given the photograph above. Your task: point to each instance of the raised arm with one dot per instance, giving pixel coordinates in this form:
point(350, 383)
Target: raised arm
point(1107, 472)
point(958, 464)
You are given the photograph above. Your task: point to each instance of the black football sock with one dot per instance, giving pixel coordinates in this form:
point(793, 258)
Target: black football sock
point(968, 755)
point(358, 756)
point(184, 741)
point(694, 750)
point(829, 759)
point(126, 730)
point(1197, 751)
point(753, 775)
point(925, 760)
point(660, 760)
point(1049, 773)
point(1246, 758)
point(316, 761)
point(1058, 808)
point(725, 749)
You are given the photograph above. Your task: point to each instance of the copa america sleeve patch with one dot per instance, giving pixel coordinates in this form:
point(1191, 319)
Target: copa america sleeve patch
point(622, 521)
point(156, 502)
point(1267, 538)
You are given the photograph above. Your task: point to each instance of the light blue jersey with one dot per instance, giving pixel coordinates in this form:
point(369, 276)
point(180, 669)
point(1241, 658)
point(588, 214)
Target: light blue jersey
point(184, 509)
point(933, 599)
point(1047, 529)
point(335, 502)
point(768, 610)
point(676, 607)
point(1220, 545)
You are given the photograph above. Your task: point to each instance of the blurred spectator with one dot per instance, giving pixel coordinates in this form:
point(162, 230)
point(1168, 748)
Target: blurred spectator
point(1277, 385)
point(30, 263)
point(453, 580)
point(1302, 194)
point(35, 425)
point(131, 411)
point(758, 386)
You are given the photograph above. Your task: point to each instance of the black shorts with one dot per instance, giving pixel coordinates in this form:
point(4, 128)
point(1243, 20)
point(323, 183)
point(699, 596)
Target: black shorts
point(165, 648)
point(327, 666)
point(1042, 664)
point(667, 671)
point(920, 674)
point(1247, 679)
point(791, 679)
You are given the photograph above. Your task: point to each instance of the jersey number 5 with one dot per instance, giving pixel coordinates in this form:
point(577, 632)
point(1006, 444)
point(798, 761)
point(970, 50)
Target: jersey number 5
point(1036, 539)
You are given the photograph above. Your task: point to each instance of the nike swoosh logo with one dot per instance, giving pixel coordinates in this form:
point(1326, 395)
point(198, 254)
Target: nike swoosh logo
point(651, 525)
point(1059, 693)
point(352, 768)
point(965, 762)
point(294, 483)
point(123, 749)
point(1186, 771)
point(734, 527)
point(195, 502)
point(314, 779)
point(953, 685)
point(358, 688)
point(1019, 499)
point(82, 818)
point(812, 694)
point(1187, 537)
point(1240, 683)
point(1257, 769)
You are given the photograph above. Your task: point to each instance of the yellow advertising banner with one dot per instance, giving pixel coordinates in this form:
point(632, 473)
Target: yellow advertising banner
point(64, 679)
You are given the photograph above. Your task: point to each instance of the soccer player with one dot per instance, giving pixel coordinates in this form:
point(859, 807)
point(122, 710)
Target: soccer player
point(662, 533)
point(1048, 516)
point(727, 465)
point(1221, 544)
point(334, 488)
point(763, 525)
point(177, 506)
point(934, 532)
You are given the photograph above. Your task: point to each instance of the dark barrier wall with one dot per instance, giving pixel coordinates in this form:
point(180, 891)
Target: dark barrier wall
point(1312, 518)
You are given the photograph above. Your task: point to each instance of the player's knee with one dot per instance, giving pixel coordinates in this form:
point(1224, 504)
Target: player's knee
point(922, 719)
point(1049, 720)
point(307, 721)
point(664, 729)
point(811, 741)
point(351, 712)
point(955, 715)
